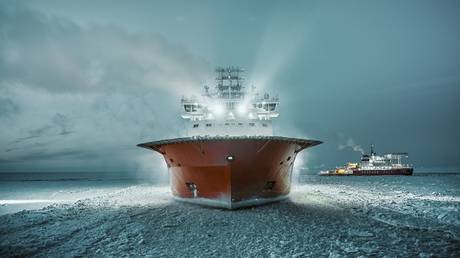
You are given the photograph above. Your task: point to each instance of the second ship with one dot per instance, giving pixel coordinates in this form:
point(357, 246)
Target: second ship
point(230, 157)
point(374, 165)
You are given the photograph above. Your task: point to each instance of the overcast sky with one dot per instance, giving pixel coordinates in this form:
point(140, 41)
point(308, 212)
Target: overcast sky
point(82, 82)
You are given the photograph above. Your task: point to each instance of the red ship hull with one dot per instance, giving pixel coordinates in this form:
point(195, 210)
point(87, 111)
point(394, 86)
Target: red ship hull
point(376, 172)
point(384, 172)
point(230, 172)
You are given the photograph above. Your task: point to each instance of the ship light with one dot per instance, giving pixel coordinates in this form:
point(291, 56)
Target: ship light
point(230, 158)
point(218, 110)
point(242, 109)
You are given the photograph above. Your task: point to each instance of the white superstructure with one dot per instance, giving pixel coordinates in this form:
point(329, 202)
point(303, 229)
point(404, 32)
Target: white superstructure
point(385, 161)
point(229, 109)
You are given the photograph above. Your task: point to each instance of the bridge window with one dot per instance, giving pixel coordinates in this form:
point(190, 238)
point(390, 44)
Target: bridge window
point(252, 124)
point(195, 125)
point(208, 125)
point(264, 125)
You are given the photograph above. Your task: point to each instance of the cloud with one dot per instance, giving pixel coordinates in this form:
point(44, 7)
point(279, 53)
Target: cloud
point(74, 97)
point(57, 55)
point(8, 108)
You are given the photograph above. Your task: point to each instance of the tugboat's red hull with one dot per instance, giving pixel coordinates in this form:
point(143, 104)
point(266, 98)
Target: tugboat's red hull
point(230, 172)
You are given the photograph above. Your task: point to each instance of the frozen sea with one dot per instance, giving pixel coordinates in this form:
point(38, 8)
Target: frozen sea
point(392, 216)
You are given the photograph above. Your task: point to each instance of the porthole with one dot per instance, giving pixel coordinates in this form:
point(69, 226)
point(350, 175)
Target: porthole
point(269, 185)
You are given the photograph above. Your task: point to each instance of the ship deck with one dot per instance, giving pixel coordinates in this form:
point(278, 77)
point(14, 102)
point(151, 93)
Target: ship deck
point(155, 144)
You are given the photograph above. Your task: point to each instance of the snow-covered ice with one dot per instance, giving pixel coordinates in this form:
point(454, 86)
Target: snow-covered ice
point(392, 216)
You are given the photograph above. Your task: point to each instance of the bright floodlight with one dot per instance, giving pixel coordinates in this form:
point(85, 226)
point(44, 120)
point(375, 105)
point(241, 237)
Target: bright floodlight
point(218, 110)
point(242, 109)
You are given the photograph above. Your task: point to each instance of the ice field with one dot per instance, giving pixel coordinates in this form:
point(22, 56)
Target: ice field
point(395, 216)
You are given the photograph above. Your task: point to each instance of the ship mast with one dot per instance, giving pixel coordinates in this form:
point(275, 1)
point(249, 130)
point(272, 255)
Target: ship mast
point(229, 83)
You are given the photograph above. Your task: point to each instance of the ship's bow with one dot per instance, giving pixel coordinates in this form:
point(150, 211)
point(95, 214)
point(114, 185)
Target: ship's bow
point(230, 172)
